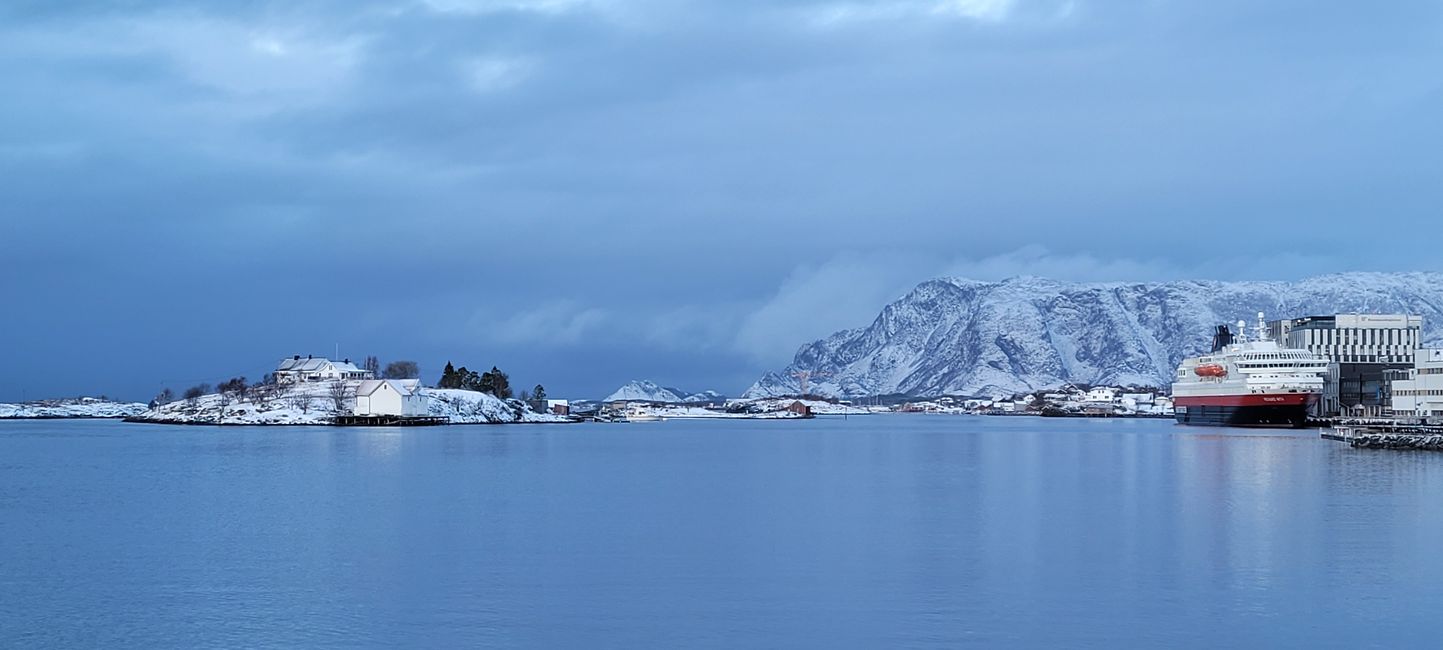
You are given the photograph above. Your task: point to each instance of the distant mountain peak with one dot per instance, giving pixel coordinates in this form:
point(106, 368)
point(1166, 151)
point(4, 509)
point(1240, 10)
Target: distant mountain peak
point(643, 390)
point(967, 337)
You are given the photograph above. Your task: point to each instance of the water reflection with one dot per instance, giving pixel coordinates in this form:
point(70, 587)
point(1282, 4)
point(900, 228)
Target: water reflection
point(870, 532)
point(381, 442)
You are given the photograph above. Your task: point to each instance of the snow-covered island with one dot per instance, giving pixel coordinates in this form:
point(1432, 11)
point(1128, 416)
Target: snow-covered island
point(319, 402)
point(316, 391)
point(77, 407)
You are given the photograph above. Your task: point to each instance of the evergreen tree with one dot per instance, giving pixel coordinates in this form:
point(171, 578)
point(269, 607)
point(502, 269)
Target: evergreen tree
point(539, 393)
point(468, 380)
point(500, 384)
point(449, 378)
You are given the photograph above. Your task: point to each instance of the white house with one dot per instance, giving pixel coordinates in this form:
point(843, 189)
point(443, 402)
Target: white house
point(1101, 395)
point(390, 397)
point(297, 369)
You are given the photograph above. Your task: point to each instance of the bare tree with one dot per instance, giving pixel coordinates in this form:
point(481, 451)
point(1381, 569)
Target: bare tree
point(258, 394)
point(299, 400)
point(235, 385)
point(342, 395)
point(194, 393)
point(402, 370)
point(373, 366)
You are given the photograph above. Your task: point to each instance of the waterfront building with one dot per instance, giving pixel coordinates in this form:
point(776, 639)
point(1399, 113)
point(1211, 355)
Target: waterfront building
point(1421, 393)
point(1138, 398)
point(1101, 395)
point(390, 397)
point(1364, 350)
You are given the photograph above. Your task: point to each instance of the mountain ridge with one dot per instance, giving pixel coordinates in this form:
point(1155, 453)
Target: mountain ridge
point(644, 390)
point(959, 336)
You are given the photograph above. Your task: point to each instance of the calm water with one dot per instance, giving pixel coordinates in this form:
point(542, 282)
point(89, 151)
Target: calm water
point(883, 531)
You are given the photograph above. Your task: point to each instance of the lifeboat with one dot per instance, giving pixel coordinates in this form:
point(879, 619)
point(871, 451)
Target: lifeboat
point(1211, 370)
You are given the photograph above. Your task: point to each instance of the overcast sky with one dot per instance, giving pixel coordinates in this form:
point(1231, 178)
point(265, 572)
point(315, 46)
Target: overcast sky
point(585, 192)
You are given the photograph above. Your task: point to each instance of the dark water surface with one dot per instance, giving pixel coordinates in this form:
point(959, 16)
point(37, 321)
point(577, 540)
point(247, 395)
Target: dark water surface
point(882, 531)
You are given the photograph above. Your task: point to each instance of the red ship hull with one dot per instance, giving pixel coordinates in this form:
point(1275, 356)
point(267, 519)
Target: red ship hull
point(1275, 410)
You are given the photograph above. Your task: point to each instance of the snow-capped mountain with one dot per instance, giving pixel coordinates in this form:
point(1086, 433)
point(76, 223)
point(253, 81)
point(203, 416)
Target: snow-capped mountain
point(649, 391)
point(963, 337)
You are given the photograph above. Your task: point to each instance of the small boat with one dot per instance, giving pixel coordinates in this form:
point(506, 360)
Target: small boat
point(636, 413)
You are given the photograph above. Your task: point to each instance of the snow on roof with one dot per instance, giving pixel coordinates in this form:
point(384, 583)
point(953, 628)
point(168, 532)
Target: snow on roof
point(292, 364)
point(402, 386)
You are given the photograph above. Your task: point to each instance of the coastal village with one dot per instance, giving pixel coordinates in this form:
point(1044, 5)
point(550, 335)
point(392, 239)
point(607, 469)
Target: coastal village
point(1376, 379)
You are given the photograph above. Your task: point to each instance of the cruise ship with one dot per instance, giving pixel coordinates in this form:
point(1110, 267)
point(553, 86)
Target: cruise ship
point(1248, 383)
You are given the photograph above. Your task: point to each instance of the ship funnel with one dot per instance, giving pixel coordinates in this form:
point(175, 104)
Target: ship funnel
point(1222, 338)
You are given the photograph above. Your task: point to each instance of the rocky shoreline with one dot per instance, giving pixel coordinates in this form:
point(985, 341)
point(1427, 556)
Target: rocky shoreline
point(1400, 437)
point(1413, 441)
point(80, 408)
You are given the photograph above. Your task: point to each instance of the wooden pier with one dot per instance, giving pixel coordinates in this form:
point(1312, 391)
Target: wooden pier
point(389, 420)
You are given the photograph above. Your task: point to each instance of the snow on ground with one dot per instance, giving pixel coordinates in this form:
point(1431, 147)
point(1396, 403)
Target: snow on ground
point(311, 403)
point(680, 412)
point(81, 407)
point(307, 403)
point(746, 409)
point(469, 407)
point(819, 407)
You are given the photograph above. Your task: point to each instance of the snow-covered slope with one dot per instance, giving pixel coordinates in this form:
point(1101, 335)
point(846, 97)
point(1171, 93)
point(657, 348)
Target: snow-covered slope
point(82, 407)
point(954, 336)
point(311, 403)
point(470, 407)
point(649, 391)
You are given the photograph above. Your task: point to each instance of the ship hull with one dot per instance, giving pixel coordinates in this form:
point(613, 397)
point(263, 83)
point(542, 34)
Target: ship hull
point(1289, 410)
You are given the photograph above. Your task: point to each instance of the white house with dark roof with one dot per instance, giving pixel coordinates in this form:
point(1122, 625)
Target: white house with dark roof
point(298, 369)
point(390, 397)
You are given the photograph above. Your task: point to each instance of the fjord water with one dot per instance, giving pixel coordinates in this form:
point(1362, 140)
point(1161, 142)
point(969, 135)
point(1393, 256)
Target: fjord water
point(881, 531)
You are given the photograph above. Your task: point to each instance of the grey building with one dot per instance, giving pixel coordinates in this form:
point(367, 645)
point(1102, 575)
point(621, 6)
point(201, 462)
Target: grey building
point(1363, 349)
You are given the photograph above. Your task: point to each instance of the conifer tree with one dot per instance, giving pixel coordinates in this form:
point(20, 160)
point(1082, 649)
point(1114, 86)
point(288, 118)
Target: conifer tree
point(500, 384)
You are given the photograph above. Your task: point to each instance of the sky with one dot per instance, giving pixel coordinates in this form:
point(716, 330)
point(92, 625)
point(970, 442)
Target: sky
point(585, 192)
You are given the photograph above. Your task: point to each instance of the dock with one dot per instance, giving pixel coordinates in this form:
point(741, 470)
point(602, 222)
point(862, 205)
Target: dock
point(1388, 436)
point(389, 420)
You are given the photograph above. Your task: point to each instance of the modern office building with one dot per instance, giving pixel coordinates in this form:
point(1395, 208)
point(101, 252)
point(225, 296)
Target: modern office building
point(1365, 349)
point(1421, 394)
